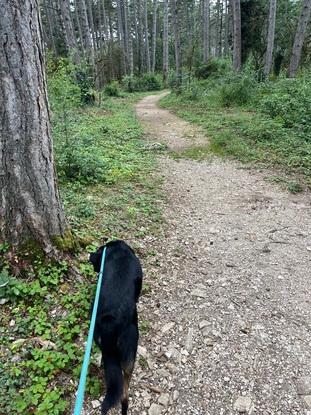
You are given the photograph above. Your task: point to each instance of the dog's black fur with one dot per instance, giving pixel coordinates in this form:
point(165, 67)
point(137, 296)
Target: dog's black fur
point(116, 327)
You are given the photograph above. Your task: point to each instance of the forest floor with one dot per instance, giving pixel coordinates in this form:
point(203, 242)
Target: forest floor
point(228, 316)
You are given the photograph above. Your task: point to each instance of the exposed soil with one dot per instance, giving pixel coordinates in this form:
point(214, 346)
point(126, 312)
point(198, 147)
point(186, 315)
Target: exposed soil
point(230, 304)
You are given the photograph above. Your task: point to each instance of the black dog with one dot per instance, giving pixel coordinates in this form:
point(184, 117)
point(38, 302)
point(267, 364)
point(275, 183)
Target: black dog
point(116, 327)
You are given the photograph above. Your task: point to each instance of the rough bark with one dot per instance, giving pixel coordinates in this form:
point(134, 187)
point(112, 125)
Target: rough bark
point(206, 30)
point(165, 42)
point(30, 204)
point(237, 41)
point(299, 38)
point(270, 40)
point(154, 34)
point(175, 14)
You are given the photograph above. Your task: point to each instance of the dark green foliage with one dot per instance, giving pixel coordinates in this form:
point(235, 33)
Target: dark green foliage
point(254, 14)
point(84, 81)
point(112, 89)
point(146, 82)
point(237, 90)
point(289, 102)
point(212, 68)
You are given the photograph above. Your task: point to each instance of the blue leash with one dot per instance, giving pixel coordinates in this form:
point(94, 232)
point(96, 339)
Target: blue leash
point(87, 355)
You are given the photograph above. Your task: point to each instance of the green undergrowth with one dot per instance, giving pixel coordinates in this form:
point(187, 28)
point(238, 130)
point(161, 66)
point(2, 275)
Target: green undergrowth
point(109, 190)
point(255, 122)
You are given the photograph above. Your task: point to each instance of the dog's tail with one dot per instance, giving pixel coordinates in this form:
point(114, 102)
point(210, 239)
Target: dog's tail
point(114, 383)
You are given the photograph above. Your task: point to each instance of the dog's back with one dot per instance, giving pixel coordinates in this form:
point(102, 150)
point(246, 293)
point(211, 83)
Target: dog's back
point(116, 328)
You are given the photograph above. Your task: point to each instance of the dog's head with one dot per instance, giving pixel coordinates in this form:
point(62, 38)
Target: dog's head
point(96, 258)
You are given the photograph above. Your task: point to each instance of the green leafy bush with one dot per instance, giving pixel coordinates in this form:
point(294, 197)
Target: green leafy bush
point(64, 92)
point(112, 89)
point(237, 90)
point(147, 82)
point(289, 102)
point(214, 67)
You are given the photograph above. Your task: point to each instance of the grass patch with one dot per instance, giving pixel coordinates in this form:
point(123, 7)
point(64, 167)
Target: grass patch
point(108, 190)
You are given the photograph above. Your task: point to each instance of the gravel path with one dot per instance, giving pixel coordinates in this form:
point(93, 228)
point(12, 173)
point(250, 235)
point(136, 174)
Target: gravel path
point(230, 304)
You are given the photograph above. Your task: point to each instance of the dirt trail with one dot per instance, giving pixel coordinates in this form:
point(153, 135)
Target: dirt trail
point(230, 306)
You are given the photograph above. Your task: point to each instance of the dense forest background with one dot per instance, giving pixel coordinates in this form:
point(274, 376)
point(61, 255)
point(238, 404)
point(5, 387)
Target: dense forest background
point(125, 38)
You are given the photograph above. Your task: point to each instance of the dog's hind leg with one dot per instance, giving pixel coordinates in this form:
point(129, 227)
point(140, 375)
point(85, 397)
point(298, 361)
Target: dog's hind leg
point(127, 375)
point(127, 345)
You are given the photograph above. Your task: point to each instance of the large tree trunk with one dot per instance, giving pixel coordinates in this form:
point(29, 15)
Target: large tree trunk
point(154, 34)
point(30, 206)
point(206, 30)
point(237, 41)
point(165, 42)
point(175, 13)
point(270, 41)
point(299, 38)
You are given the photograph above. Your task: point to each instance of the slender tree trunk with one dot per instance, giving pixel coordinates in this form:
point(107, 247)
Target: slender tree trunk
point(127, 41)
point(77, 18)
point(91, 22)
point(154, 34)
point(220, 27)
point(100, 25)
point(51, 42)
point(165, 43)
point(175, 13)
point(146, 36)
point(128, 19)
point(206, 30)
point(141, 65)
point(237, 41)
point(104, 20)
point(217, 25)
point(299, 38)
point(121, 36)
point(30, 206)
point(270, 41)
point(70, 36)
point(226, 34)
point(85, 29)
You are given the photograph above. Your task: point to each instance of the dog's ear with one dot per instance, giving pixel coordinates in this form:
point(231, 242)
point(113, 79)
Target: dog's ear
point(95, 258)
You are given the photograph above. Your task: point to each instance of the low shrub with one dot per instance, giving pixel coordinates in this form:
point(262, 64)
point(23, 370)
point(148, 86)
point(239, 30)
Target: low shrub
point(112, 89)
point(289, 102)
point(237, 90)
point(214, 67)
point(147, 82)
